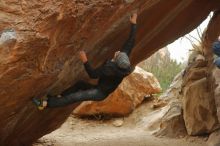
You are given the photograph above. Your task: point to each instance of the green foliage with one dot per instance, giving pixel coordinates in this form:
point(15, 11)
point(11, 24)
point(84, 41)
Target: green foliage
point(163, 67)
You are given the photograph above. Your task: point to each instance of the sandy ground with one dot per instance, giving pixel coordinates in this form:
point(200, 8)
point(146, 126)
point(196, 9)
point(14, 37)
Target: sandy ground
point(136, 130)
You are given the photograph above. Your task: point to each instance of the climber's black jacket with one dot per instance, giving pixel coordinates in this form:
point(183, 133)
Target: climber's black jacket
point(109, 74)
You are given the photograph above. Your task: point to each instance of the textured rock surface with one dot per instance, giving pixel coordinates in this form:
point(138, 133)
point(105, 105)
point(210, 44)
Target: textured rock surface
point(214, 139)
point(200, 79)
point(216, 74)
point(43, 58)
point(210, 36)
point(199, 108)
point(172, 123)
point(126, 97)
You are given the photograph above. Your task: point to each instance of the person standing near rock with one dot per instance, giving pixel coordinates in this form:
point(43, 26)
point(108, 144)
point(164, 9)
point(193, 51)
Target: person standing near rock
point(216, 51)
point(109, 75)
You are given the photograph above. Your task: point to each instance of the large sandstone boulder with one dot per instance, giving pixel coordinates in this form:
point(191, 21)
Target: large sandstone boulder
point(199, 109)
point(41, 55)
point(125, 98)
point(214, 139)
point(216, 74)
point(172, 123)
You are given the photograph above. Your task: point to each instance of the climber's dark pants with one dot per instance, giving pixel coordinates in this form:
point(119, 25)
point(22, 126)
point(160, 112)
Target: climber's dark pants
point(81, 91)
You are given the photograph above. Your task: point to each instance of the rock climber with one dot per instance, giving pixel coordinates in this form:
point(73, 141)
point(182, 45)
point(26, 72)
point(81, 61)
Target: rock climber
point(216, 50)
point(109, 75)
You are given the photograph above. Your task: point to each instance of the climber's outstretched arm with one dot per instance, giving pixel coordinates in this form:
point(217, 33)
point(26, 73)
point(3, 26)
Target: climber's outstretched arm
point(129, 44)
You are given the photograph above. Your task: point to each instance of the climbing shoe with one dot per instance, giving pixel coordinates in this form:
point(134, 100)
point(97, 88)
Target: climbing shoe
point(40, 103)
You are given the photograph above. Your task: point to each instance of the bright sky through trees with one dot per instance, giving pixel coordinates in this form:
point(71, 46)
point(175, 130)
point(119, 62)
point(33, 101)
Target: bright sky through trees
point(179, 49)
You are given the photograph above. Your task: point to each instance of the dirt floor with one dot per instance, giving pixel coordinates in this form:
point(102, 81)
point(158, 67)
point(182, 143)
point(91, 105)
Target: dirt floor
point(135, 130)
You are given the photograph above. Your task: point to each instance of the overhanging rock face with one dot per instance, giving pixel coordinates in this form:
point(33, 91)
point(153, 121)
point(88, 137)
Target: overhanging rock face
point(40, 40)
